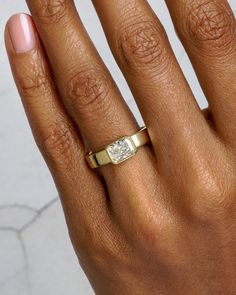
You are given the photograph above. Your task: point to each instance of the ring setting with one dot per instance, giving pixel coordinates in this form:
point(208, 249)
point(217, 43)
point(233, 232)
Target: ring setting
point(120, 150)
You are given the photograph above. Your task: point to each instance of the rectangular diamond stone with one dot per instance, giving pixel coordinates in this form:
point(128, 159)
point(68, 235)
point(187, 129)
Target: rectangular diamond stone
point(121, 150)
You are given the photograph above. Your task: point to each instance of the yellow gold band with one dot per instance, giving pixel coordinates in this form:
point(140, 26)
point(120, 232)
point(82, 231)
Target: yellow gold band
point(118, 151)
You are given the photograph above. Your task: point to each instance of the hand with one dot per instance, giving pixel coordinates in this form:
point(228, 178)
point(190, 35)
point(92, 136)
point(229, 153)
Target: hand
point(164, 221)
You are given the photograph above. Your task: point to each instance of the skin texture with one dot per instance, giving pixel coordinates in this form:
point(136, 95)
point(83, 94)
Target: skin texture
point(163, 222)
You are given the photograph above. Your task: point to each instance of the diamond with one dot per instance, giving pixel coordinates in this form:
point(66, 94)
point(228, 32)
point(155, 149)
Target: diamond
point(121, 150)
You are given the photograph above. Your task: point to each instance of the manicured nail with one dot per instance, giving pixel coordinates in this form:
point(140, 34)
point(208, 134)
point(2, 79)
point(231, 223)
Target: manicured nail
point(22, 32)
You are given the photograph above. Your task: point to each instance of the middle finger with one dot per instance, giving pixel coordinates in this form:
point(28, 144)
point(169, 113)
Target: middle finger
point(141, 48)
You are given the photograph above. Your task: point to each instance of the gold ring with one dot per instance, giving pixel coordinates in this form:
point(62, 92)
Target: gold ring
point(119, 151)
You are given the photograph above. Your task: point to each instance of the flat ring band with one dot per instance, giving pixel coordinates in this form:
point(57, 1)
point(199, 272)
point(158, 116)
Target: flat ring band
point(120, 150)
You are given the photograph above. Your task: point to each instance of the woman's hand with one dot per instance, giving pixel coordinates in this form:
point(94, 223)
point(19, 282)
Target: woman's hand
point(164, 221)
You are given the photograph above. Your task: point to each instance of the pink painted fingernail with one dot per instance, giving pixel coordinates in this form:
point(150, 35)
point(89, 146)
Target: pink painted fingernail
point(22, 32)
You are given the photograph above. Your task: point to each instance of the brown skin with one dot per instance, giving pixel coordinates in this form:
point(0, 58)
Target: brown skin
point(170, 226)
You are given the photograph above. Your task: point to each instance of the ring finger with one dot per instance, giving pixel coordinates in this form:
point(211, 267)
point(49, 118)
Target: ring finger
point(207, 30)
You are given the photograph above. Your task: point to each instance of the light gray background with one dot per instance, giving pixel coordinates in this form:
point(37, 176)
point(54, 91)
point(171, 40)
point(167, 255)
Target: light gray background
point(36, 256)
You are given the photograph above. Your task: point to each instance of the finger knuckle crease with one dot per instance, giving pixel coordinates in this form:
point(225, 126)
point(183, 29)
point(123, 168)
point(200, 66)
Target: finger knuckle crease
point(209, 23)
point(34, 80)
point(58, 142)
point(35, 84)
point(142, 44)
point(51, 11)
point(88, 92)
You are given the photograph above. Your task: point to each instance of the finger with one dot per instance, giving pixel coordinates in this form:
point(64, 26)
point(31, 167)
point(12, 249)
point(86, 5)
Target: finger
point(87, 88)
point(83, 80)
point(178, 129)
point(208, 32)
point(142, 50)
point(81, 191)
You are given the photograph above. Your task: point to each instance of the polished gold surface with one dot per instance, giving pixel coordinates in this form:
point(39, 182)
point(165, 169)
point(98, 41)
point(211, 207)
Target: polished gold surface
point(119, 151)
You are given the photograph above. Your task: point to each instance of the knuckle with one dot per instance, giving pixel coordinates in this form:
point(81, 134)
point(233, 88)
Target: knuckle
point(150, 236)
point(213, 197)
point(57, 143)
point(99, 254)
point(88, 92)
point(155, 232)
point(161, 237)
point(103, 250)
point(51, 11)
point(32, 86)
point(142, 44)
point(209, 23)
point(36, 82)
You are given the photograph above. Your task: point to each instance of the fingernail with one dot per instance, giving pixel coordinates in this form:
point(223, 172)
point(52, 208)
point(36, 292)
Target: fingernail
point(22, 33)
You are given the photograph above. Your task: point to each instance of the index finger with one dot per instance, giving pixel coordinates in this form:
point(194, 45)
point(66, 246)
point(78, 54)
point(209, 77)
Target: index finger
point(54, 132)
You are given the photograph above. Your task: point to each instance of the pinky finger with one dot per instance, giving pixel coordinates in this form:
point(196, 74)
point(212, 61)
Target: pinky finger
point(54, 132)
